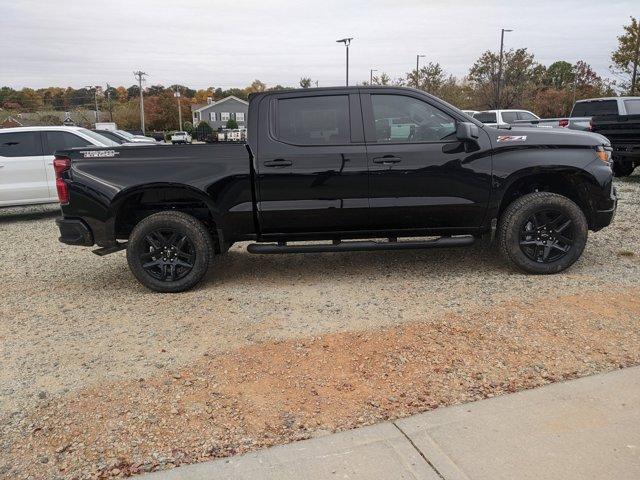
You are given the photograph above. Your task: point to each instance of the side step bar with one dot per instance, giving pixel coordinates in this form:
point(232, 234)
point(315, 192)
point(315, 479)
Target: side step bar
point(107, 250)
point(355, 246)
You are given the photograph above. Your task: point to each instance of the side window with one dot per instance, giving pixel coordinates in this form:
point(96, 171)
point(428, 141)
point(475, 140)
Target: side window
point(526, 116)
point(486, 117)
point(20, 144)
point(509, 117)
point(405, 119)
point(320, 120)
point(63, 140)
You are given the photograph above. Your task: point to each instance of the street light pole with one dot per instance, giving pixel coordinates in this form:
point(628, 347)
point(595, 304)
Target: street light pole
point(95, 98)
point(371, 76)
point(418, 70)
point(500, 66)
point(177, 95)
point(347, 42)
point(140, 76)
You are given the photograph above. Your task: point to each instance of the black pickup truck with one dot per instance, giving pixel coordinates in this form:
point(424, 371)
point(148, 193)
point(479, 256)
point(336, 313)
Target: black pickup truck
point(349, 169)
point(623, 131)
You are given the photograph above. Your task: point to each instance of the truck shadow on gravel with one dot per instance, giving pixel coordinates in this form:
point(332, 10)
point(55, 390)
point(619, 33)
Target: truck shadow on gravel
point(22, 214)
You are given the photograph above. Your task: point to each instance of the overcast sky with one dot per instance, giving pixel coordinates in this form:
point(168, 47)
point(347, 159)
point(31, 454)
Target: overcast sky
point(225, 44)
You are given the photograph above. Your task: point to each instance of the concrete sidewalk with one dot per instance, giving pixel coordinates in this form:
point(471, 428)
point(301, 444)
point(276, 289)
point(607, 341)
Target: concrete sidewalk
point(581, 429)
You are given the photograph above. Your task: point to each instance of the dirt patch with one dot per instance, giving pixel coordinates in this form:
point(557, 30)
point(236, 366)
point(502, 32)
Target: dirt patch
point(280, 391)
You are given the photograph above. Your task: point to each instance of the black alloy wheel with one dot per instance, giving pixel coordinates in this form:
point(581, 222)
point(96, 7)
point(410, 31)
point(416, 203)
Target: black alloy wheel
point(546, 236)
point(167, 255)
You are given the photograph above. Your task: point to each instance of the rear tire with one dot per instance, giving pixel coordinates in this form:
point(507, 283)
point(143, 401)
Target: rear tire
point(169, 251)
point(542, 233)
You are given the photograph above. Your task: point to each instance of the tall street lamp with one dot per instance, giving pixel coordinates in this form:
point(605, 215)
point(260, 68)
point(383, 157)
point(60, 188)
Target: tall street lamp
point(177, 95)
point(347, 42)
point(371, 76)
point(418, 69)
point(500, 67)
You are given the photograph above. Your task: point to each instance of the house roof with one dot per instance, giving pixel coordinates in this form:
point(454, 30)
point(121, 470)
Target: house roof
point(221, 101)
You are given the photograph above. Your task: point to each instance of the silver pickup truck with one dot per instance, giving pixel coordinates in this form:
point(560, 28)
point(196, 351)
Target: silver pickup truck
point(584, 110)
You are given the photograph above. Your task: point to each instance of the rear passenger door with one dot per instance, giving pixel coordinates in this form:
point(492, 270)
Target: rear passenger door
point(312, 164)
point(23, 178)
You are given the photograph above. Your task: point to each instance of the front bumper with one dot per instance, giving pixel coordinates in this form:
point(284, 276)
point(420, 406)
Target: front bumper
point(603, 218)
point(74, 231)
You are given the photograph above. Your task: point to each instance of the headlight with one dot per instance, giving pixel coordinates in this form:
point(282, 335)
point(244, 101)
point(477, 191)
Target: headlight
point(604, 153)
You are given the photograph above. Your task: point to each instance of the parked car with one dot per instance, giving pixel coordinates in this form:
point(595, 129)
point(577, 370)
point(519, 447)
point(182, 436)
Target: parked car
point(316, 168)
point(500, 118)
point(26, 161)
point(120, 137)
point(180, 137)
point(623, 131)
point(584, 110)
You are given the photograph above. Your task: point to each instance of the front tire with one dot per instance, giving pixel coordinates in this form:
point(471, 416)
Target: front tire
point(169, 251)
point(542, 233)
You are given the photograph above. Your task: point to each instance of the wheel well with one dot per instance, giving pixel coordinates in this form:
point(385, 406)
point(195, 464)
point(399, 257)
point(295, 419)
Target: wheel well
point(562, 184)
point(141, 204)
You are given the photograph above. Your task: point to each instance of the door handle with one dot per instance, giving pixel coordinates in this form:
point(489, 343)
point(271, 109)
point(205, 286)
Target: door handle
point(278, 163)
point(387, 160)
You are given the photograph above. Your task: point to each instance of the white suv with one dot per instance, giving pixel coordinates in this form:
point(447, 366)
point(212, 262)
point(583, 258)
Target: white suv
point(26, 161)
point(180, 137)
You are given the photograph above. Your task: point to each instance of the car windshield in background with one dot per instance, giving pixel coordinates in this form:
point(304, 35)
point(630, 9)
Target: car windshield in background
point(486, 117)
point(632, 107)
point(126, 135)
point(597, 107)
point(107, 142)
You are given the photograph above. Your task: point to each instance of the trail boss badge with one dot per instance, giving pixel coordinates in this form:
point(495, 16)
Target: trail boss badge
point(101, 153)
point(512, 138)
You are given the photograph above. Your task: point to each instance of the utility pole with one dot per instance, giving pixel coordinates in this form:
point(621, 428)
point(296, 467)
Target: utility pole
point(177, 95)
point(500, 67)
point(316, 83)
point(347, 42)
point(634, 75)
point(95, 98)
point(418, 70)
point(109, 106)
point(140, 76)
point(371, 76)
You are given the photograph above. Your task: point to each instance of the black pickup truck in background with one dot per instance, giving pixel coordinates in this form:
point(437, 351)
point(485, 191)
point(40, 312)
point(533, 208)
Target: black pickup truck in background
point(623, 131)
point(357, 168)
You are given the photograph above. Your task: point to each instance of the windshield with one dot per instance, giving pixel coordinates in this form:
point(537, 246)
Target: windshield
point(99, 138)
point(126, 135)
point(595, 107)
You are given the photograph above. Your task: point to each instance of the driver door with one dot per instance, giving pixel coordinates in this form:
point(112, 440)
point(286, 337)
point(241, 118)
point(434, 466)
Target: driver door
point(420, 176)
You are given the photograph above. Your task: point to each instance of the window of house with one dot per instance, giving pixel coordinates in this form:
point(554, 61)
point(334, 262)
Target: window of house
point(20, 144)
point(196, 116)
point(224, 116)
point(212, 116)
point(322, 120)
point(240, 116)
point(399, 118)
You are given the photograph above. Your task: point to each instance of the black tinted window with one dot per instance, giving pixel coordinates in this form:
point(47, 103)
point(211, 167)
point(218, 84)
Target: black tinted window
point(314, 120)
point(405, 119)
point(509, 117)
point(63, 140)
point(20, 144)
point(486, 117)
point(600, 107)
point(632, 107)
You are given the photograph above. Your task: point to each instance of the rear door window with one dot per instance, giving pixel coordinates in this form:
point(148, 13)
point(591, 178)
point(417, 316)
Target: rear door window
point(20, 144)
point(509, 117)
point(322, 120)
point(597, 107)
point(486, 117)
point(63, 140)
point(632, 107)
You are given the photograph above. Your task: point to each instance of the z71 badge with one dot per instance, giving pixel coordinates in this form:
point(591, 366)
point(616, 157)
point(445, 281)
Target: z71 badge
point(101, 153)
point(512, 138)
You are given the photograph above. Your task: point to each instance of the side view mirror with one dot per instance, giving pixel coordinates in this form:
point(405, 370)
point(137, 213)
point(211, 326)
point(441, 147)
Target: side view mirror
point(466, 132)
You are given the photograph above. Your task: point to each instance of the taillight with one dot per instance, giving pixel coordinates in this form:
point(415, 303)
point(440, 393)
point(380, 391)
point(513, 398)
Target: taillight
point(61, 164)
point(563, 123)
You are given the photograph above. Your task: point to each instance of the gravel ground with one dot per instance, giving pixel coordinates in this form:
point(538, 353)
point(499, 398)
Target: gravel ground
point(101, 377)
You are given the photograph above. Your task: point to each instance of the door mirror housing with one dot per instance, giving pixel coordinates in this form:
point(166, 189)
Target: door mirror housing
point(467, 132)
